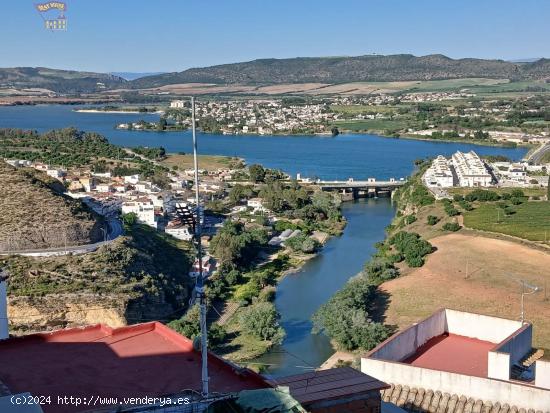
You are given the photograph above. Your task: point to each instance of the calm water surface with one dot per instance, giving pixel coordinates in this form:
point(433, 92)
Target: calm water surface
point(358, 156)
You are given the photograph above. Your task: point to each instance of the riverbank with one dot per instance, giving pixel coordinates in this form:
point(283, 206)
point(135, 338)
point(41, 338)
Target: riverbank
point(444, 140)
point(245, 348)
point(121, 111)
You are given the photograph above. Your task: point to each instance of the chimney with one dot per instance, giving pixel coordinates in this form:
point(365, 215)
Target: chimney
point(4, 332)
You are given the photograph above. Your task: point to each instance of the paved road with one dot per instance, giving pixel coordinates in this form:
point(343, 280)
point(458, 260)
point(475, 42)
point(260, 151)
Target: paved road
point(115, 230)
point(537, 155)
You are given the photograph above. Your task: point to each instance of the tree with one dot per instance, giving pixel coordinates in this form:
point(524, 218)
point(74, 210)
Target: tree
point(302, 243)
point(129, 219)
point(261, 321)
point(257, 173)
point(345, 319)
point(161, 125)
point(189, 326)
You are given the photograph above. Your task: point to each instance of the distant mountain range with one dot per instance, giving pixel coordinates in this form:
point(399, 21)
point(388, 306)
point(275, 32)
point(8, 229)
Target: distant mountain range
point(403, 67)
point(62, 81)
point(135, 75)
point(351, 69)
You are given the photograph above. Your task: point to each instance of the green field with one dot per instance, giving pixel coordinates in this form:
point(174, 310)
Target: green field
point(356, 109)
point(372, 124)
point(530, 220)
point(531, 192)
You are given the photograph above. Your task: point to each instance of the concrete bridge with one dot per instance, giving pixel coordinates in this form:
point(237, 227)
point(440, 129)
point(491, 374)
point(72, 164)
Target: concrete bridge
point(352, 189)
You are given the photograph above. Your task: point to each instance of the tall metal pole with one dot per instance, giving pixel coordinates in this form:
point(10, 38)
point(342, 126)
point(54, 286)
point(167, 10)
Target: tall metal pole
point(199, 285)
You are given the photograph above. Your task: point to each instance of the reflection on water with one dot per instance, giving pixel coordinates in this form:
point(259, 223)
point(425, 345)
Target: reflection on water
point(300, 294)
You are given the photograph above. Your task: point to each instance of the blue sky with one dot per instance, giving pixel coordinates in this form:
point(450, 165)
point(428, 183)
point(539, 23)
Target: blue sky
point(172, 35)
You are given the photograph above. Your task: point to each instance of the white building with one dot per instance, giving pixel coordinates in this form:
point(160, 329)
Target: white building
point(518, 172)
point(144, 210)
point(179, 230)
point(56, 173)
point(177, 104)
point(485, 359)
point(256, 204)
point(104, 188)
point(471, 171)
point(131, 179)
point(439, 173)
point(208, 267)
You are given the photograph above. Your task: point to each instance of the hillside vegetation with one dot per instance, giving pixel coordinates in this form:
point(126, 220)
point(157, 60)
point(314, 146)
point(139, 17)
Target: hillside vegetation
point(351, 69)
point(141, 276)
point(34, 214)
point(63, 81)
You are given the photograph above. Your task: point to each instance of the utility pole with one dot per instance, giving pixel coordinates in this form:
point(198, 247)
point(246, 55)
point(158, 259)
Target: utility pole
point(199, 285)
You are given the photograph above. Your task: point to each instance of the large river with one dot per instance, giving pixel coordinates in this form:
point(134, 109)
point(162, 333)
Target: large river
point(357, 156)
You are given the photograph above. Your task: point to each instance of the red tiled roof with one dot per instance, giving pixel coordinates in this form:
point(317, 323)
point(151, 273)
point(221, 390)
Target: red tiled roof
point(146, 359)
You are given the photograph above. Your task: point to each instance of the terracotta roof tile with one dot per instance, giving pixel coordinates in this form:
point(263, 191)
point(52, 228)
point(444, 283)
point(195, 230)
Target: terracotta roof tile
point(427, 401)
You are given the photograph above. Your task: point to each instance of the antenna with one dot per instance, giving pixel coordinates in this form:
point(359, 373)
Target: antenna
point(199, 285)
point(526, 289)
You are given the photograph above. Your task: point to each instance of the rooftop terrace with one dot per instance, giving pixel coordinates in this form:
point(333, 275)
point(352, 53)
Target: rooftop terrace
point(142, 360)
point(453, 353)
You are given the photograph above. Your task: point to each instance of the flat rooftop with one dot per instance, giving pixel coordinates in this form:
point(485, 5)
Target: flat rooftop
point(142, 360)
point(453, 353)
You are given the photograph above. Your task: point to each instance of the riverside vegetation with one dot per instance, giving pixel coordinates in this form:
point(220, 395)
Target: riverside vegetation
point(349, 317)
point(249, 268)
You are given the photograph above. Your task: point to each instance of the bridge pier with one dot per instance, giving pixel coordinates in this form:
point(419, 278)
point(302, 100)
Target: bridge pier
point(352, 189)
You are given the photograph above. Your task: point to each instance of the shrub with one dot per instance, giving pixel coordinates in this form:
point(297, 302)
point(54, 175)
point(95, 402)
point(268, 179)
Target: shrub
point(451, 226)
point(451, 211)
point(247, 292)
point(409, 219)
point(432, 219)
point(412, 246)
point(482, 195)
point(466, 205)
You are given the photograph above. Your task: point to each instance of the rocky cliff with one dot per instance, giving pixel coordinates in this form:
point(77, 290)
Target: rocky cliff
point(34, 214)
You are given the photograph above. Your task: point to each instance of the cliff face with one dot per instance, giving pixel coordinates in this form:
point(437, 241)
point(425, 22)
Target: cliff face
point(52, 312)
point(139, 277)
point(35, 215)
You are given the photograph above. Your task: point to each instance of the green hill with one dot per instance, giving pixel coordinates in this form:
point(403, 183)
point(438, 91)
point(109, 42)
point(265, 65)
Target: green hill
point(35, 215)
point(61, 81)
point(351, 69)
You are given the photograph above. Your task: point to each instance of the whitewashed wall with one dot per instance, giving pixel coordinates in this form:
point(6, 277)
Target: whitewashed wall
point(520, 395)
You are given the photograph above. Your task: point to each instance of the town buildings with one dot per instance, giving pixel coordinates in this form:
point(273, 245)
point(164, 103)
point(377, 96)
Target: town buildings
point(463, 169)
point(470, 170)
point(144, 210)
point(177, 104)
point(462, 357)
point(440, 173)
